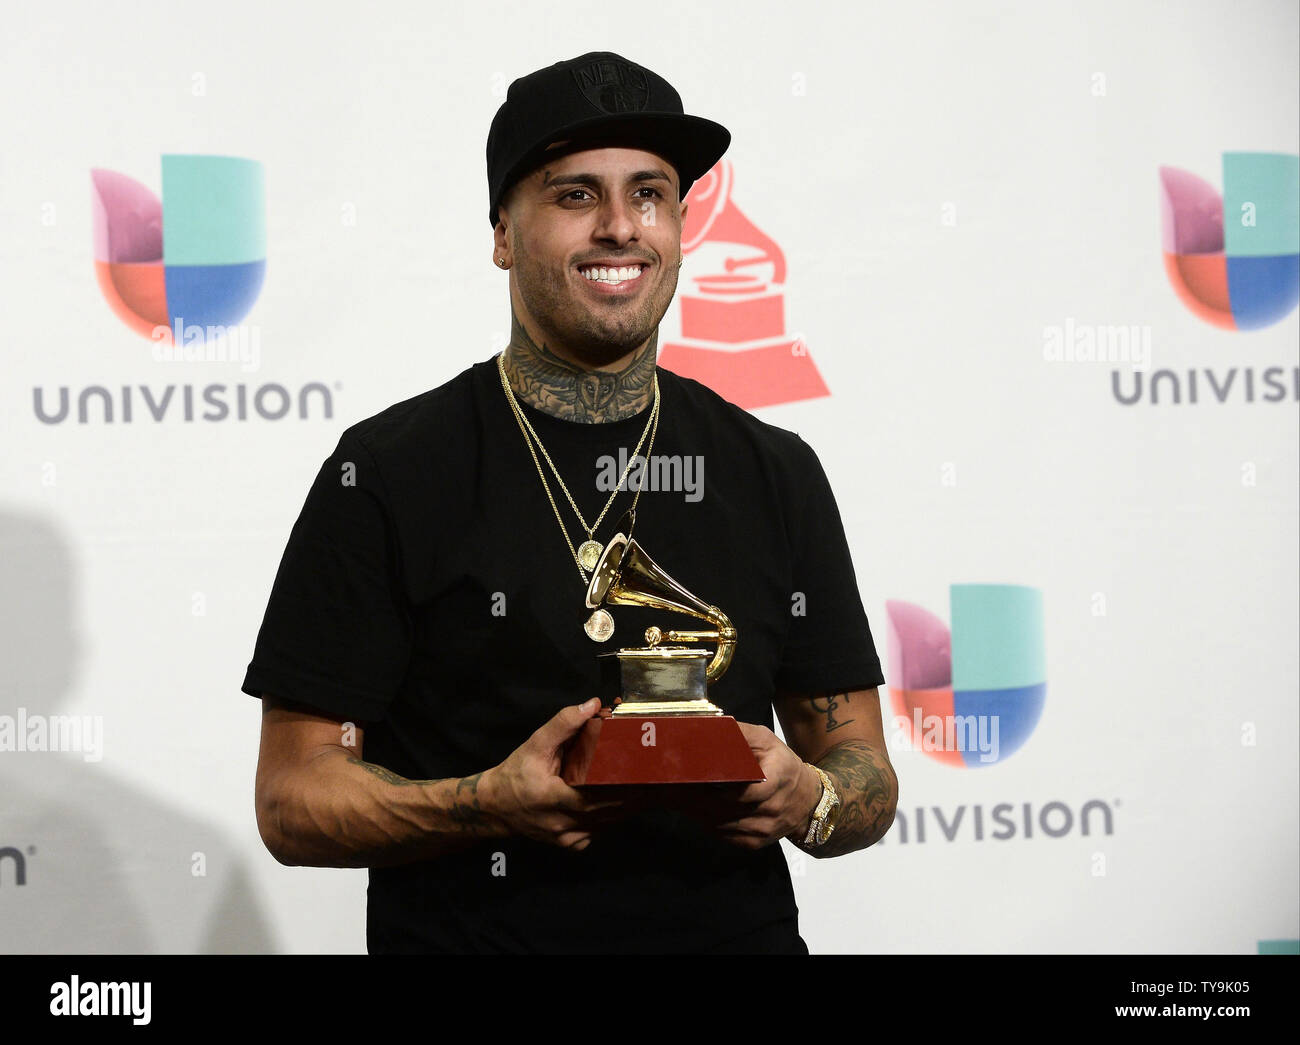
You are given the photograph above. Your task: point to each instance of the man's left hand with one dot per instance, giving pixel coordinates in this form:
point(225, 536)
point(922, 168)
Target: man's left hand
point(764, 813)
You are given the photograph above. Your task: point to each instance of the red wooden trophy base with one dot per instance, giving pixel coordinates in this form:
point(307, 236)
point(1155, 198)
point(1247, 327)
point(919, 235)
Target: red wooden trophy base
point(679, 749)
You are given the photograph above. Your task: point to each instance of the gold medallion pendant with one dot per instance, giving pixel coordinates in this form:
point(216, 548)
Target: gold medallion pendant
point(589, 554)
point(599, 626)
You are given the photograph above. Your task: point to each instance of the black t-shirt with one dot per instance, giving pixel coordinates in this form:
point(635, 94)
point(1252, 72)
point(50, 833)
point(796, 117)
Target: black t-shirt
point(426, 592)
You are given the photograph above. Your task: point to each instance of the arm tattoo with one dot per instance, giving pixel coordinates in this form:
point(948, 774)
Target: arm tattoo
point(828, 705)
point(868, 791)
point(465, 809)
point(386, 775)
point(544, 380)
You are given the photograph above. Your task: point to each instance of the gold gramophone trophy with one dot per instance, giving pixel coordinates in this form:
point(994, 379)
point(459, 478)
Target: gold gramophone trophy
point(664, 729)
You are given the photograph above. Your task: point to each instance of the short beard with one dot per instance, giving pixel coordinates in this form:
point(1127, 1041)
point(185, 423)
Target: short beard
point(592, 343)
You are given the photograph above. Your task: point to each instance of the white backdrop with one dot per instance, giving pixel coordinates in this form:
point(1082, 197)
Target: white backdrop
point(945, 180)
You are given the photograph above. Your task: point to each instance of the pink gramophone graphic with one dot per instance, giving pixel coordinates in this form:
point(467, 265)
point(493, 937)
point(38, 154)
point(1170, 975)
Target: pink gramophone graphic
point(733, 319)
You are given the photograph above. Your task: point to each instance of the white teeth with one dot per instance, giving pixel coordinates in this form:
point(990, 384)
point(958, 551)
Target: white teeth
point(606, 275)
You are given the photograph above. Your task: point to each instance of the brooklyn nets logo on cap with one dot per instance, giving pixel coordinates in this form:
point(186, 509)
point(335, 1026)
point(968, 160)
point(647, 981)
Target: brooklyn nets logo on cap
point(613, 85)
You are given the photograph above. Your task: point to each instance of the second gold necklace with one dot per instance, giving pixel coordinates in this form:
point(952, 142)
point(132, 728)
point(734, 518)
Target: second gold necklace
point(600, 625)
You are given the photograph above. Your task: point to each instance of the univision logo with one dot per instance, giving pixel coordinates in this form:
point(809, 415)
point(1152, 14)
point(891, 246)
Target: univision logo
point(1234, 259)
point(193, 260)
point(184, 270)
point(970, 696)
point(1054, 820)
point(100, 404)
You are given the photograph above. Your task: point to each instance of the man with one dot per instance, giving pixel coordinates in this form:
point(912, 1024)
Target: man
point(426, 654)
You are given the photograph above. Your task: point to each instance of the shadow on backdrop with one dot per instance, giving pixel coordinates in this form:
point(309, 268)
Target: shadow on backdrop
point(105, 866)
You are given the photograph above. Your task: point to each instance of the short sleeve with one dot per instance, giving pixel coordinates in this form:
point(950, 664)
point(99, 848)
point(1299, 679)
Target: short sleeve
point(336, 634)
point(830, 646)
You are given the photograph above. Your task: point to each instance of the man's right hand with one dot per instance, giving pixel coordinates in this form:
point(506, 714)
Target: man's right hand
point(526, 794)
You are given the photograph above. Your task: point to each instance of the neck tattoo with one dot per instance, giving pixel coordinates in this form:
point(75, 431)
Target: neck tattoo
point(555, 386)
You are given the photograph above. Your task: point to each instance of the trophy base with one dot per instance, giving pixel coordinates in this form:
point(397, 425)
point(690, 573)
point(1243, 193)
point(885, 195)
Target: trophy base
point(660, 749)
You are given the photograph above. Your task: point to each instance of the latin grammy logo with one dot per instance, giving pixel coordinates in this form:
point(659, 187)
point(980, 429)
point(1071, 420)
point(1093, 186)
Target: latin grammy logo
point(734, 336)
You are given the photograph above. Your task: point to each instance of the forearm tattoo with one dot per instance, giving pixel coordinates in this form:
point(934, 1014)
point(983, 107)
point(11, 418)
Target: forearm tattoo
point(386, 775)
point(464, 810)
point(544, 380)
point(868, 791)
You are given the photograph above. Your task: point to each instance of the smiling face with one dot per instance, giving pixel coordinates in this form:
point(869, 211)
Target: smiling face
point(593, 241)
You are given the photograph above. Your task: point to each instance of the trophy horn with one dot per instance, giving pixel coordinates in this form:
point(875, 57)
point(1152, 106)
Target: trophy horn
point(627, 576)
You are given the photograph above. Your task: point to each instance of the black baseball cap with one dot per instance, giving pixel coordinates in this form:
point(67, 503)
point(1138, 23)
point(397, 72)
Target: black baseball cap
point(600, 98)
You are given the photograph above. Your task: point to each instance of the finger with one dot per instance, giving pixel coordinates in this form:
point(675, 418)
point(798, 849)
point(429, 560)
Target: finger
point(747, 839)
point(604, 818)
point(749, 825)
point(756, 794)
point(588, 796)
point(602, 810)
point(588, 806)
point(759, 738)
point(576, 840)
point(579, 800)
point(564, 725)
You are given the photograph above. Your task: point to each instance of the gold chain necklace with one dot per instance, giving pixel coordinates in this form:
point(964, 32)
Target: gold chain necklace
point(589, 553)
point(600, 625)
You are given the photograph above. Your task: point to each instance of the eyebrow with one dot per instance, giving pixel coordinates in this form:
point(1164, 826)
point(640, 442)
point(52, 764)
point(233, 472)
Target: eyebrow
point(595, 179)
